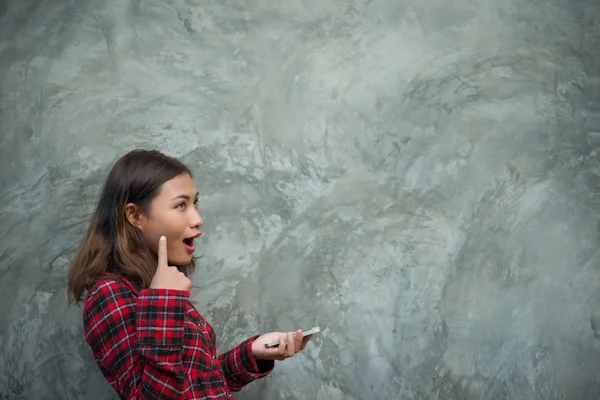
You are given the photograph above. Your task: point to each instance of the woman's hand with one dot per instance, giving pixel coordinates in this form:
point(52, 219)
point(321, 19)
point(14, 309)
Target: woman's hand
point(290, 343)
point(167, 277)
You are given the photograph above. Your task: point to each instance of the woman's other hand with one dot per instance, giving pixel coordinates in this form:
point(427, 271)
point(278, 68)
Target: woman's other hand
point(290, 343)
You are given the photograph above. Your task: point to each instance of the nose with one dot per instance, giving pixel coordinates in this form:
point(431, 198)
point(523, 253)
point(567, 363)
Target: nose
point(196, 221)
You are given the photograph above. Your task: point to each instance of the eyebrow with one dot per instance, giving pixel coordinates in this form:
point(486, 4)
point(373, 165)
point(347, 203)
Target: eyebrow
point(185, 196)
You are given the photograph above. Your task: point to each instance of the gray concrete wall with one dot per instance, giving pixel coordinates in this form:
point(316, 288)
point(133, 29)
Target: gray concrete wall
point(420, 179)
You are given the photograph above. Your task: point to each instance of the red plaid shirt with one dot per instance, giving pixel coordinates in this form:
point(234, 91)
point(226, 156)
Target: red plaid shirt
point(154, 344)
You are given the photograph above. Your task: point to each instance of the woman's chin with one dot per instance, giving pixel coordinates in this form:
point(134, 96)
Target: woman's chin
point(181, 261)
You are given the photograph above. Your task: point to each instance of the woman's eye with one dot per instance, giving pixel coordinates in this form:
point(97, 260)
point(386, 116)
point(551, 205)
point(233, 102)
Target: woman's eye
point(182, 204)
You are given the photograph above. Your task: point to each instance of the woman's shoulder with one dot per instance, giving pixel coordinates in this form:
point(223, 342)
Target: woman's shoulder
point(109, 302)
point(111, 287)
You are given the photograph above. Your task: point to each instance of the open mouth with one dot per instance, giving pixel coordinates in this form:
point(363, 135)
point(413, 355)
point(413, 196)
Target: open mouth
point(189, 243)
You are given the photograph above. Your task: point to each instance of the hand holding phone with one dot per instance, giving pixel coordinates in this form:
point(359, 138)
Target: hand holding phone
point(312, 331)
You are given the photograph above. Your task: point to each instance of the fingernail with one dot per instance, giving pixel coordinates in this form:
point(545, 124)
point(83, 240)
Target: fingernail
point(162, 238)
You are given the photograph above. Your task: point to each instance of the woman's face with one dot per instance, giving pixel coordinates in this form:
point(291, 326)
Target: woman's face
point(174, 214)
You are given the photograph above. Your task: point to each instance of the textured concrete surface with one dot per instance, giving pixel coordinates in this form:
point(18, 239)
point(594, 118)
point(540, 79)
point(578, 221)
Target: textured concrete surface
point(420, 179)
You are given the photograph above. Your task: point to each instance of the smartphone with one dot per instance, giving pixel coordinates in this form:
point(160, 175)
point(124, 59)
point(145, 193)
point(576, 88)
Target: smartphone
point(275, 343)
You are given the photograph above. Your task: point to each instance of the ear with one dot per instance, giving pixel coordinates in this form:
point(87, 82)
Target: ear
point(134, 215)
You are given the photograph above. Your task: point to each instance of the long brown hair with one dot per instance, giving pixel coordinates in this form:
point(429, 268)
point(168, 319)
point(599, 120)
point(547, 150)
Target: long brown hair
point(112, 244)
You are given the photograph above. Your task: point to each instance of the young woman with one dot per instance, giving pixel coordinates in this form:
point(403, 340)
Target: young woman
point(133, 269)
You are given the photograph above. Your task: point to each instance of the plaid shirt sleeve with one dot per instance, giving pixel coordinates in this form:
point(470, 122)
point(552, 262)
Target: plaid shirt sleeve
point(137, 341)
point(240, 368)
